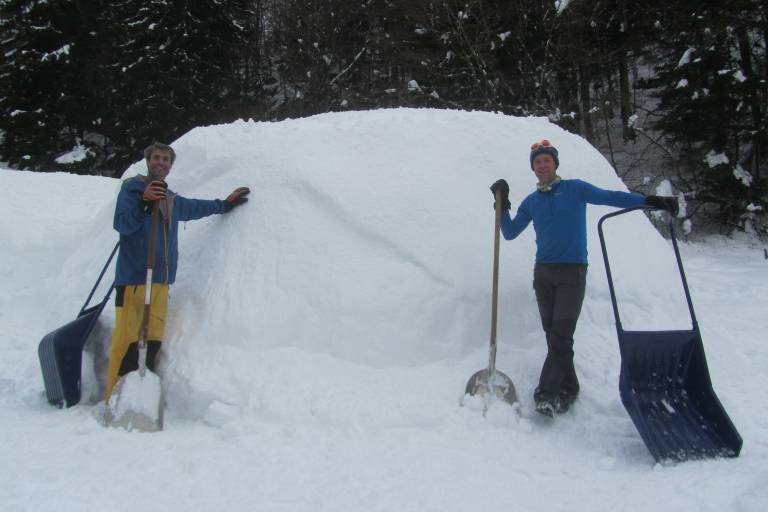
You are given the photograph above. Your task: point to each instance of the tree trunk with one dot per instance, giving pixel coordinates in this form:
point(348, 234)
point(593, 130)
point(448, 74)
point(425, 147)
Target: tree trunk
point(625, 98)
point(754, 103)
point(586, 101)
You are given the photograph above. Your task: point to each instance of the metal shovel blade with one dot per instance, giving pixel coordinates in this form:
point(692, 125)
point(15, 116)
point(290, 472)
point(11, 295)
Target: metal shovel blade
point(498, 386)
point(136, 403)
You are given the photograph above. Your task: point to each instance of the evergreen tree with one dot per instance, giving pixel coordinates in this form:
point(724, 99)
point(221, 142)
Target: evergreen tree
point(176, 65)
point(498, 55)
point(50, 49)
point(340, 54)
point(108, 76)
point(711, 101)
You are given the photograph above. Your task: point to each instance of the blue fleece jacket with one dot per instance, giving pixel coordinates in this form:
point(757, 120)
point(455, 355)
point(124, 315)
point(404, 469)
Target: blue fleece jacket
point(133, 224)
point(560, 218)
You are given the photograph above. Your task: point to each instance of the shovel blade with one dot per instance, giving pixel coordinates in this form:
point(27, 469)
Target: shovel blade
point(136, 403)
point(496, 385)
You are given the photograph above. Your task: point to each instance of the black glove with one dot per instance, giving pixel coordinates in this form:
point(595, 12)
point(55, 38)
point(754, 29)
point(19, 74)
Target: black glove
point(663, 203)
point(152, 192)
point(236, 198)
point(501, 186)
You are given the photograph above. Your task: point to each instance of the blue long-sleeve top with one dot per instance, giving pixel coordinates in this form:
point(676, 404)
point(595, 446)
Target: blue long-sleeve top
point(560, 218)
point(133, 223)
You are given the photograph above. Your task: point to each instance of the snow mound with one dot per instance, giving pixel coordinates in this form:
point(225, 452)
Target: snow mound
point(321, 336)
point(367, 243)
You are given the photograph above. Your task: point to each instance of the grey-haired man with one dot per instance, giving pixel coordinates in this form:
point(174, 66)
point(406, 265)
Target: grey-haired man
point(132, 220)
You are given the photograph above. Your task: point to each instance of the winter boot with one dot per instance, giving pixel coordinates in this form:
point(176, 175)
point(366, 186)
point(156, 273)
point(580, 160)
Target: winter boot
point(565, 400)
point(547, 408)
point(546, 404)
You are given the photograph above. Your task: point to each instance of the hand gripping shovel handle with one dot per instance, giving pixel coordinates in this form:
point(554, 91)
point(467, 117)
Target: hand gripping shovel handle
point(144, 331)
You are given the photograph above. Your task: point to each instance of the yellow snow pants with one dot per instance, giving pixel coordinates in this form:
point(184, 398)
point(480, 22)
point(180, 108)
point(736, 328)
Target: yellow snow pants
point(129, 311)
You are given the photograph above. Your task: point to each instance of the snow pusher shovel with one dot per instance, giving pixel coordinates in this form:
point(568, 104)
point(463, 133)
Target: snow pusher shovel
point(136, 400)
point(490, 382)
point(665, 385)
point(61, 351)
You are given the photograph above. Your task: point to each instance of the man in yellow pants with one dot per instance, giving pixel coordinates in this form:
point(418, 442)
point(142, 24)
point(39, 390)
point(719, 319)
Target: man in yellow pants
point(132, 221)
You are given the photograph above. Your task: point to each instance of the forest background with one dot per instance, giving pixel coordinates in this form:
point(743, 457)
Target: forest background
point(674, 94)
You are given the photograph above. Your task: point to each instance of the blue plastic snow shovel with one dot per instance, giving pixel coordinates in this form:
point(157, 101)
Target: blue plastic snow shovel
point(665, 385)
point(61, 350)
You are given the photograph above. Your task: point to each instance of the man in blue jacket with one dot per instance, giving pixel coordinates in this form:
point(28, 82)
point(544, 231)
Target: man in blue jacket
point(558, 210)
point(132, 221)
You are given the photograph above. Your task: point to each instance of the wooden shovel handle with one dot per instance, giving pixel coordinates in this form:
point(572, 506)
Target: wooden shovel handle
point(144, 332)
point(495, 296)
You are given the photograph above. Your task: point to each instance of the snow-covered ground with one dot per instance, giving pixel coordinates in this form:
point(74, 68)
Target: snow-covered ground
point(321, 336)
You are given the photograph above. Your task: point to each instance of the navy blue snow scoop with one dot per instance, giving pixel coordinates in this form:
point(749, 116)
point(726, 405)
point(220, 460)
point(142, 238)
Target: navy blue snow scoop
point(61, 350)
point(665, 385)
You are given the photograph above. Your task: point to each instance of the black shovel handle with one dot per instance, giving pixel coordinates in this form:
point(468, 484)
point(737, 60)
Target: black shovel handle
point(101, 275)
point(695, 324)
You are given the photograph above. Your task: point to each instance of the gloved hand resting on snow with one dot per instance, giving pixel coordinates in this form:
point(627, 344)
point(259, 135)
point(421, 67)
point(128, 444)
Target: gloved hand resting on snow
point(236, 198)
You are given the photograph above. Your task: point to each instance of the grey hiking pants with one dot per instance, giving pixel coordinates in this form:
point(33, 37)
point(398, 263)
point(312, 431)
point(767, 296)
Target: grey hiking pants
point(559, 291)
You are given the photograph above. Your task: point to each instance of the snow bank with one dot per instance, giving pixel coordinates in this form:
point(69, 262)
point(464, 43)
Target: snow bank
point(368, 239)
point(328, 327)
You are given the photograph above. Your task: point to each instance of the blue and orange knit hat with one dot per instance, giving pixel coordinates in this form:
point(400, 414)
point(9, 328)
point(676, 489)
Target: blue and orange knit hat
point(544, 147)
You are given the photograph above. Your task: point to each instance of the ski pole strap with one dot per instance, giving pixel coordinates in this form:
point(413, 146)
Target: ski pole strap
point(101, 275)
